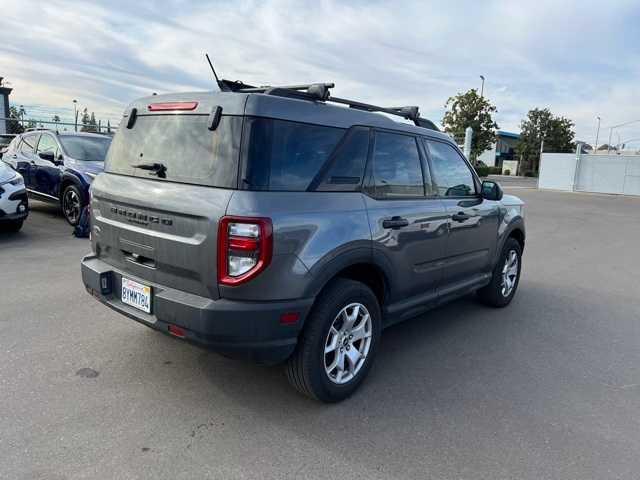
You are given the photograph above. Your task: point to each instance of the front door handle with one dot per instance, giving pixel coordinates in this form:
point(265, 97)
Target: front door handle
point(460, 217)
point(395, 223)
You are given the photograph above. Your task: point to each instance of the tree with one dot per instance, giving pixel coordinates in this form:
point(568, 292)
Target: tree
point(557, 133)
point(471, 110)
point(88, 122)
point(13, 126)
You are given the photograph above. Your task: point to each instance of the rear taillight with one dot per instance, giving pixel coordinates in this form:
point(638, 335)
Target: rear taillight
point(245, 246)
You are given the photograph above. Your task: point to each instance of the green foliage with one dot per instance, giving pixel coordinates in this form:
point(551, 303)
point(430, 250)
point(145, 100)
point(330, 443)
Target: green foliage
point(88, 122)
point(14, 127)
point(557, 132)
point(483, 171)
point(495, 170)
point(471, 110)
point(530, 173)
point(507, 172)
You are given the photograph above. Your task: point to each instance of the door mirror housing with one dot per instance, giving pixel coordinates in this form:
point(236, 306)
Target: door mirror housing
point(491, 190)
point(48, 156)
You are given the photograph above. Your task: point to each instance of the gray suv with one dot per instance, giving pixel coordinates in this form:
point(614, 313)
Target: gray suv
point(275, 224)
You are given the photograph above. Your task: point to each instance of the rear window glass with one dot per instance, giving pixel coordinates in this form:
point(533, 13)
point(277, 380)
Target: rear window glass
point(88, 149)
point(283, 155)
point(189, 151)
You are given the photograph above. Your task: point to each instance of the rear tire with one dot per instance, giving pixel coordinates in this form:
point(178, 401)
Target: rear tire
point(506, 276)
point(72, 203)
point(338, 344)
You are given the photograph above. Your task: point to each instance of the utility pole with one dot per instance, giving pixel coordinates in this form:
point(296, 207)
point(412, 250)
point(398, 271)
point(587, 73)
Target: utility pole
point(75, 112)
point(482, 87)
point(595, 148)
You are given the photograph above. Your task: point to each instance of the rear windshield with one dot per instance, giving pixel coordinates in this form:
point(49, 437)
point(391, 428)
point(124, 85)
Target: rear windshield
point(280, 155)
point(188, 150)
point(88, 149)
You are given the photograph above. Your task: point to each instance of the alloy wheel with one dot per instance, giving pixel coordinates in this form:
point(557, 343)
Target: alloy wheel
point(347, 343)
point(509, 273)
point(71, 206)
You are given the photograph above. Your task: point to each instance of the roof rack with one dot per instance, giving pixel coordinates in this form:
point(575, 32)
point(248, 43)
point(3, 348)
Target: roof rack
point(320, 92)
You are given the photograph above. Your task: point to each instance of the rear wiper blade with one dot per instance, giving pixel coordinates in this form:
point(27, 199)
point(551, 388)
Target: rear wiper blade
point(154, 168)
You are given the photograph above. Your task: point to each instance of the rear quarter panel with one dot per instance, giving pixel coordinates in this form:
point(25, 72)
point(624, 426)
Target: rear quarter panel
point(311, 230)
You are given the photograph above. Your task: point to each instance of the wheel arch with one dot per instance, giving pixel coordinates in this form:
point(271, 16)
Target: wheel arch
point(358, 265)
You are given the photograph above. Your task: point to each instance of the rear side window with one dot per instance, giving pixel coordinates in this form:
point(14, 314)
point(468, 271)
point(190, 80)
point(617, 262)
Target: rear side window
point(281, 155)
point(396, 167)
point(190, 152)
point(451, 173)
point(346, 167)
point(29, 143)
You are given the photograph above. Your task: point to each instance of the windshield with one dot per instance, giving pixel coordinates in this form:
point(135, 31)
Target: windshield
point(88, 149)
point(181, 146)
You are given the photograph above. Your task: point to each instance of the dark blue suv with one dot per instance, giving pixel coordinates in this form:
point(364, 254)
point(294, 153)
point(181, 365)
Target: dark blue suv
point(59, 167)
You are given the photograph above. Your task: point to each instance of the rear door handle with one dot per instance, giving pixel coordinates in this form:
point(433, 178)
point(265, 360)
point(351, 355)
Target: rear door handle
point(395, 223)
point(460, 217)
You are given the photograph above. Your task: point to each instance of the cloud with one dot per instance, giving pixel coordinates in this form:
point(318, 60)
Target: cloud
point(579, 58)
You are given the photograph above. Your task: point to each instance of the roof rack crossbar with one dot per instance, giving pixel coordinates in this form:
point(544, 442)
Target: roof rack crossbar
point(320, 91)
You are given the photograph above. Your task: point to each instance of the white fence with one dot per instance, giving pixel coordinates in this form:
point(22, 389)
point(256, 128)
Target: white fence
point(618, 174)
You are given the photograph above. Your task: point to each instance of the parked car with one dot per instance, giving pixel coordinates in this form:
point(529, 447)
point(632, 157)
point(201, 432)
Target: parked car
point(14, 205)
point(59, 167)
point(5, 140)
point(272, 224)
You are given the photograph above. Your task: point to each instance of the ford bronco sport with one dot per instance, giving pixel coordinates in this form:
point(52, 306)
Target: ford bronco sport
point(282, 224)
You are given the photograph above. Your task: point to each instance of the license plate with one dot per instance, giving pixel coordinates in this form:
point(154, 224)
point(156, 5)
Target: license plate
point(136, 295)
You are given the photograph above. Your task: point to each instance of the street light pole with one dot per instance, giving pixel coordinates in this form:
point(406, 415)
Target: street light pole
point(595, 148)
point(75, 112)
point(482, 87)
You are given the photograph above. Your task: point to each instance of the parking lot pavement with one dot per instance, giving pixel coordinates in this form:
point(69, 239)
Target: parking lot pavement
point(546, 388)
point(510, 181)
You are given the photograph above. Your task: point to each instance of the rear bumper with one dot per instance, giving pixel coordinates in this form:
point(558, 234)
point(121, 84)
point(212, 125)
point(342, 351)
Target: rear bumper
point(250, 330)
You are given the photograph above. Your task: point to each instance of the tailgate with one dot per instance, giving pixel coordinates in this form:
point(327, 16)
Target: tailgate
point(162, 232)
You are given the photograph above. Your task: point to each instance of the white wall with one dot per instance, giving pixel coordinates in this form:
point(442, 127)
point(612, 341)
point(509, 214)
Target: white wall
point(557, 171)
point(618, 174)
point(489, 156)
point(609, 174)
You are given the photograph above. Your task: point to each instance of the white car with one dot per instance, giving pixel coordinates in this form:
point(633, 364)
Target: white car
point(14, 205)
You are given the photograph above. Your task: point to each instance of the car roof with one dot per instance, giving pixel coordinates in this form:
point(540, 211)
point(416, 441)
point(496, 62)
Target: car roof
point(282, 108)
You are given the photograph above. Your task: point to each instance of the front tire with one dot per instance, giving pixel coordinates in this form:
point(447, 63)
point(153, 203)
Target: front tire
point(12, 226)
point(72, 204)
point(338, 344)
point(506, 276)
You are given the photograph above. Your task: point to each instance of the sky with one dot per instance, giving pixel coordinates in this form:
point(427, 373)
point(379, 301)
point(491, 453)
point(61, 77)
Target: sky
point(580, 59)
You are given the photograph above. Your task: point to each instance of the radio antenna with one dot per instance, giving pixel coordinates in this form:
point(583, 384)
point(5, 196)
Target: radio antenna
point(221, 85)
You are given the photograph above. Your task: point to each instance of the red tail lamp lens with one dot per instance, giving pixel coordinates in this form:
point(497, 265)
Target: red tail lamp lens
point(245, 246)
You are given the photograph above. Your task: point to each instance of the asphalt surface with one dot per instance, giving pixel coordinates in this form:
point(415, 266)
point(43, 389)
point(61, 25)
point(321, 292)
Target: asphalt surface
point(548, 388)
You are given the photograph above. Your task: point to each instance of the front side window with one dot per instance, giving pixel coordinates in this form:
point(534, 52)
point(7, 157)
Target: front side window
point(29, 143)
point(396, 167)
point(280, 155)
point(450, 172)
point(86, 149)
point(48, 144)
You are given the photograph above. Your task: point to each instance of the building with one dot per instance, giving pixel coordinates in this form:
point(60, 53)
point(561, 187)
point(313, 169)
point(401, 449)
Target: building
point(4, 106)
point(503, 149)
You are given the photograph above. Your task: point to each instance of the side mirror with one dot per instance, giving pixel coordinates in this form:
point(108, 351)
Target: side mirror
point(48, 156)
point(491, 190)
